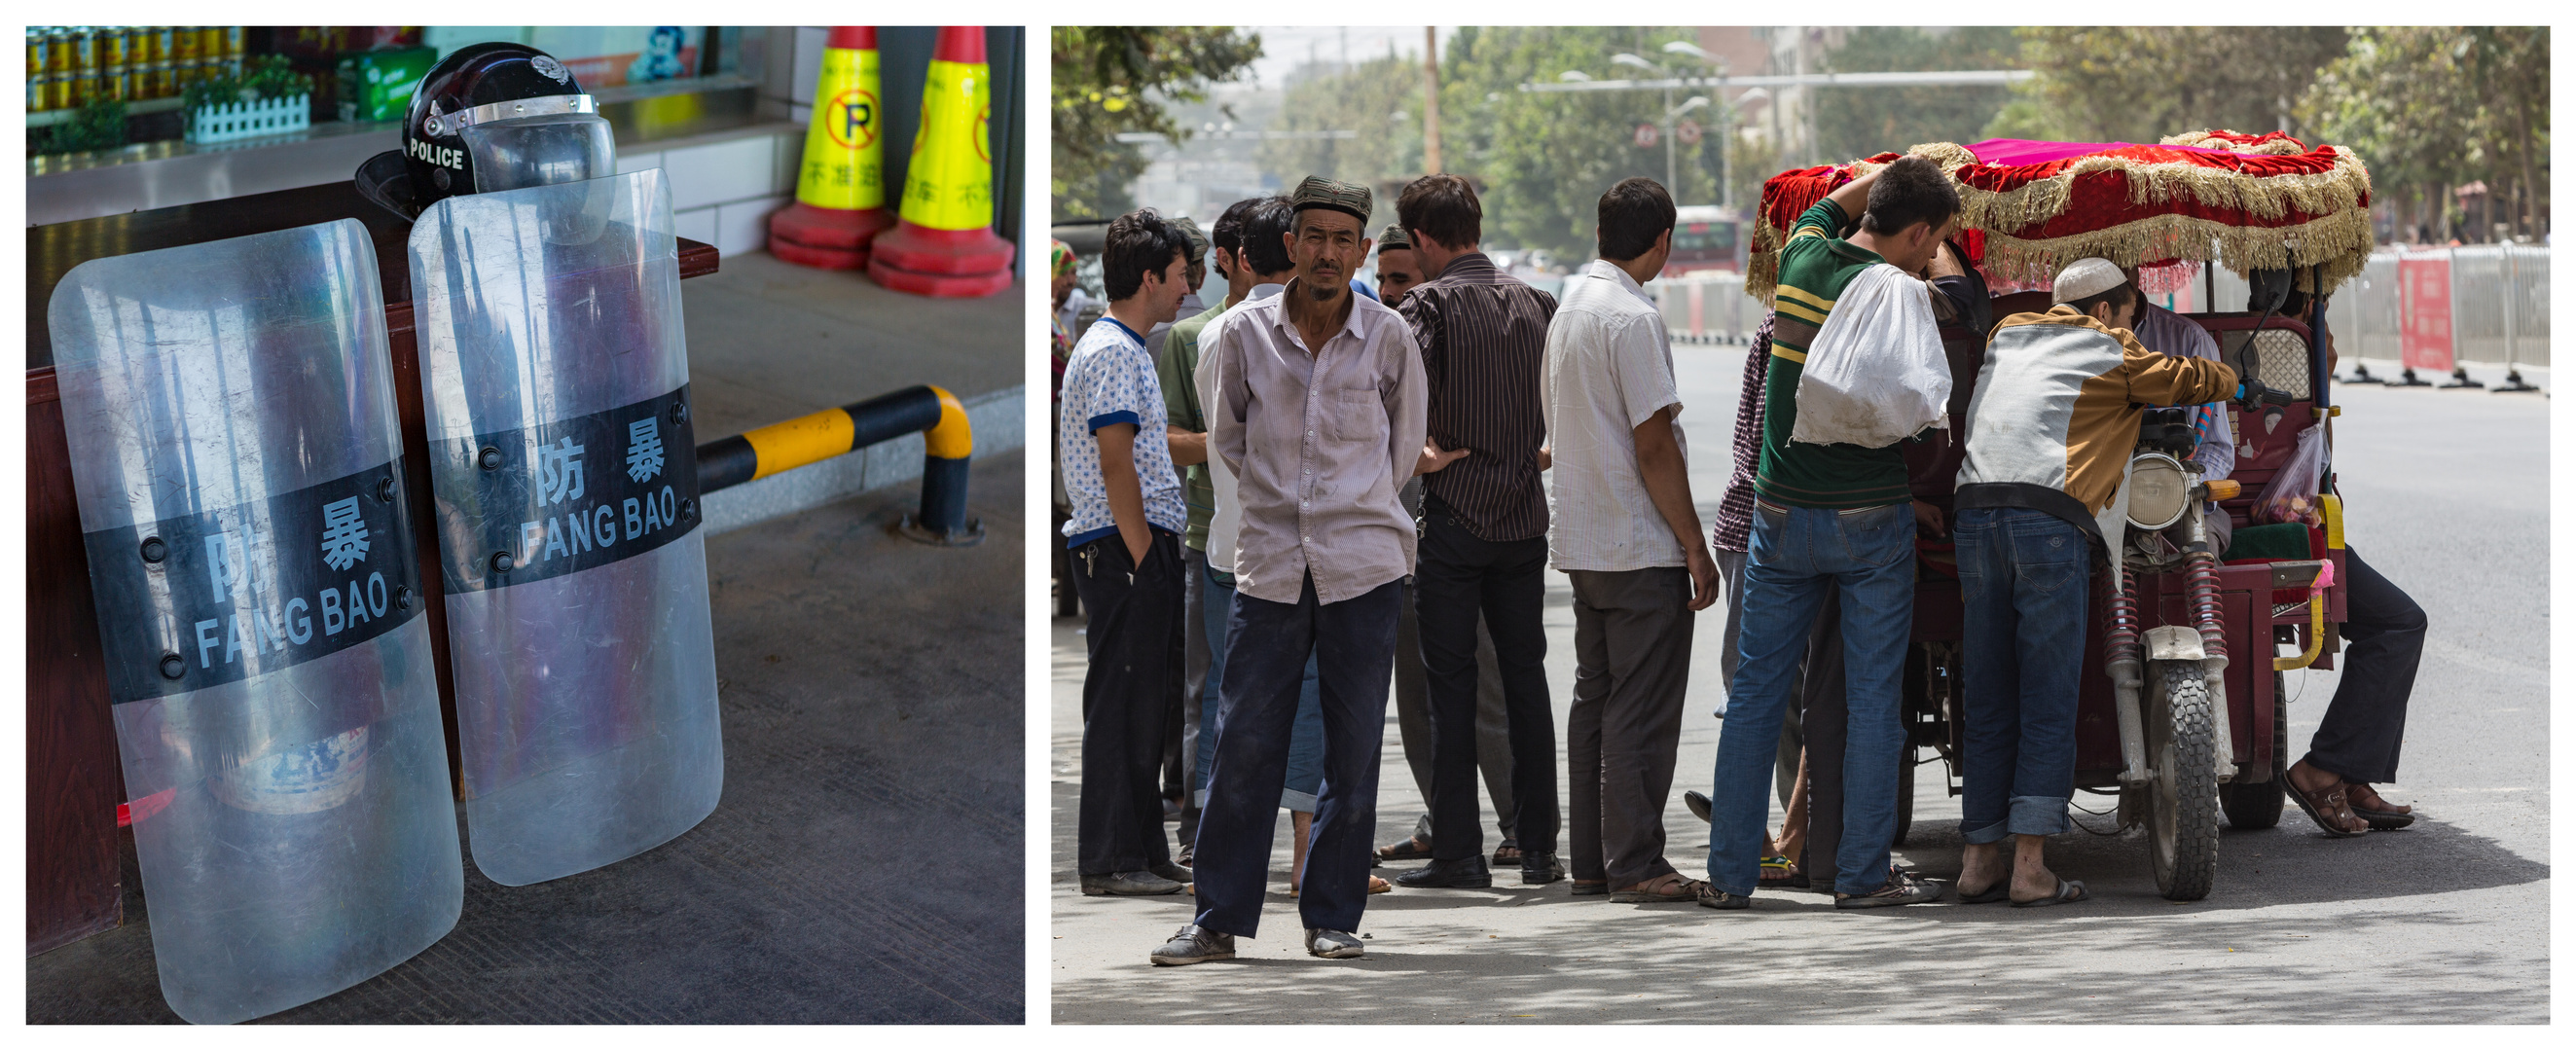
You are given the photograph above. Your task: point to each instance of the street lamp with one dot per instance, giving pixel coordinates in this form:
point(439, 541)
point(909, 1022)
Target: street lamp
point(1625, 59)
point(1672, 114)
point(1574, 76)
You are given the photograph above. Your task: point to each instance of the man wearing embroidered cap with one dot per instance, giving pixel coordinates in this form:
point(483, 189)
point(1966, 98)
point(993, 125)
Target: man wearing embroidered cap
point(1316, 406)
point(1397, 268)
point(2056, 413)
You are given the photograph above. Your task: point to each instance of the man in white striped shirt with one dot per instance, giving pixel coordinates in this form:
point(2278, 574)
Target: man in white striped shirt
point(1622, 527)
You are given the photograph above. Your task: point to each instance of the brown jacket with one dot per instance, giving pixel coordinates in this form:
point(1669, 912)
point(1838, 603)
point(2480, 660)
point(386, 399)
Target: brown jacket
point(2057, 407)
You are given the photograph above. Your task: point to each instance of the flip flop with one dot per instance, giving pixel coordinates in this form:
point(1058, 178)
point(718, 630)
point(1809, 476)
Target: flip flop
point(1789, 876)
point(1403, 850)
point(2067, 890)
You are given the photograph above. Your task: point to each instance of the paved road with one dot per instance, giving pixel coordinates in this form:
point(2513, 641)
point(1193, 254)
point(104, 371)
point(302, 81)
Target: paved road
point(2449, 496)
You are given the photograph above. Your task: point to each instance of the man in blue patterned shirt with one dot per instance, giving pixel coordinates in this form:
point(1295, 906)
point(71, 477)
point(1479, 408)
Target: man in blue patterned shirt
point(1125, 535)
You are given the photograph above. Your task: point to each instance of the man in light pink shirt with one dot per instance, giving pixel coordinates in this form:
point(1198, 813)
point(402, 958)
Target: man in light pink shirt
point(1318, 408)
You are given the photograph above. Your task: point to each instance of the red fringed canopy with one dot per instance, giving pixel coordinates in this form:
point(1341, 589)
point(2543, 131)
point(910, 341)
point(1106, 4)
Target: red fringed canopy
point(2029, 208)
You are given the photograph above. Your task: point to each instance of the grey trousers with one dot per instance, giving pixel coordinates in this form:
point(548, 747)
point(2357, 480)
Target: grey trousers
point(1193, 683)
point(1632, 642)
point(1413, 709)
point(1784, 776)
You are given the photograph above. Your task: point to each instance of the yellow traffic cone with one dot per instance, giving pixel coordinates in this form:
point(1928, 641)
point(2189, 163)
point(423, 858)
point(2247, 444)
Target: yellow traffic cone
point(840, 192)
point(945, 245)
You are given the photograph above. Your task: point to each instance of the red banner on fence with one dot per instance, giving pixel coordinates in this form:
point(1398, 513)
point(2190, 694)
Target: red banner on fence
point(2424, 312)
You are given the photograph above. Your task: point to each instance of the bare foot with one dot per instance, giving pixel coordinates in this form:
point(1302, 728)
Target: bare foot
point(1980, 865)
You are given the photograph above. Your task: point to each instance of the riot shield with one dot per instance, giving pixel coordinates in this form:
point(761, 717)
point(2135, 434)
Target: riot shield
point(230, 413)
point(555, 375)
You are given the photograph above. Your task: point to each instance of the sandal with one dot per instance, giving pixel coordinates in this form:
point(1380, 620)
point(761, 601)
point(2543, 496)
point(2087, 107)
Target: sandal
point(2327, 807)
point(2382, 815)
point(1779, 871)
point(1406, 849)
point(1584, 888)
point(1508, 855)
point(1673, 887)
point(2000, 889)
point(2067, 890)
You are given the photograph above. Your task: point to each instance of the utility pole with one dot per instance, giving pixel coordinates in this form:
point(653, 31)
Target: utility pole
point(1430, 100)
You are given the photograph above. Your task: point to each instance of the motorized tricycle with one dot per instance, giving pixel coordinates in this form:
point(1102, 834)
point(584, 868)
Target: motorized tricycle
point(2181, 711)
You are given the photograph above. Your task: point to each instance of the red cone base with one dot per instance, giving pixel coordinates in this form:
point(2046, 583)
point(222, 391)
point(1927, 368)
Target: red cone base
point(941, 286)
point(815, 227)
point(923, 250)
point(819, 258)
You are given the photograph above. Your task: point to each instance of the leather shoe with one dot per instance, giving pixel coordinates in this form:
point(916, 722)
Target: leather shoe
point(1129, 884)
point(1697, 803)
point(1464, 872)
point(1540, 869)
point(1172, 872)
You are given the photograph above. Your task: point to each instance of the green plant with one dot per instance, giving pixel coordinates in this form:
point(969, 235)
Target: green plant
point(262, 77)
point(97, 126)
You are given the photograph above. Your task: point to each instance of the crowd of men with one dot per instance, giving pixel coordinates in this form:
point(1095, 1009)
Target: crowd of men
point(1286, 501)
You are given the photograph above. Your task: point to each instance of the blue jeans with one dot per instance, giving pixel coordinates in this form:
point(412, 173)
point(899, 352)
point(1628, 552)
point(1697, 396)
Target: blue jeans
point(1305, 740)
point(1795, 560)
point(2026, 579)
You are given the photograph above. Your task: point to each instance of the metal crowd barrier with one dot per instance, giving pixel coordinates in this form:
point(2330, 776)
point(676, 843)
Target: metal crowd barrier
point(2499, 305)
point(1707, 307)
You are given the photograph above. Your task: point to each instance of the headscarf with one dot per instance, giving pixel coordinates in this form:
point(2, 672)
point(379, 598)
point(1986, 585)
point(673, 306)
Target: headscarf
point(1060, 259)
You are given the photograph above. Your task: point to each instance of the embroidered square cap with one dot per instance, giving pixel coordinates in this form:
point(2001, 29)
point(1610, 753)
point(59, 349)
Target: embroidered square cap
point(1198, 241)
point(1393, 237)
point(1320, 192)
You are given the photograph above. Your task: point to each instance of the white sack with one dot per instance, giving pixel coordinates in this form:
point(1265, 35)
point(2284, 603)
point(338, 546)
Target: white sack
point(1876, 374)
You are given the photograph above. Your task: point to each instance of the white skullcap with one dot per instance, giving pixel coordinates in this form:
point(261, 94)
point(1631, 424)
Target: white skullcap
point(2085, 277)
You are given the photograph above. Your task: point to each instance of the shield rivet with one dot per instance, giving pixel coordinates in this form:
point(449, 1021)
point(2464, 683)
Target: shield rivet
point(402, 597)
point(490, 458)
point(154, 550)
point(173, 666)
point(680, 412)
point(688, 509)
point(503, 563)
point(385, 490)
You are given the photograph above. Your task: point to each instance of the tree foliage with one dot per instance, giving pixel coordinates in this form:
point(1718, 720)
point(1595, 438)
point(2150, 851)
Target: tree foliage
point(1112, 79)
point(1546, 158)
point(2141, 83)
point(2435, 106)
point(1380, 99)
point(1858, 122)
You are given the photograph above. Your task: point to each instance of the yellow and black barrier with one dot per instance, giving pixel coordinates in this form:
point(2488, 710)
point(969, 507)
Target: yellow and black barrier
point(947, 441)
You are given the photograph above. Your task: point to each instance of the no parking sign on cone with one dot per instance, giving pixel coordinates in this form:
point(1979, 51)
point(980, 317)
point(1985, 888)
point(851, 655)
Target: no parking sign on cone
point(944, 244)
point(840, 190)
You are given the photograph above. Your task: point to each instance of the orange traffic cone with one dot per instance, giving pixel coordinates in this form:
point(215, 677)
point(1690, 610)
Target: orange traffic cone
point(945, 245)
point(840, 192)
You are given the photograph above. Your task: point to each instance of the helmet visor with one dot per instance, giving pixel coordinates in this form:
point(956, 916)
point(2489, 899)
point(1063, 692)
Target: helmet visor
point(540, 151)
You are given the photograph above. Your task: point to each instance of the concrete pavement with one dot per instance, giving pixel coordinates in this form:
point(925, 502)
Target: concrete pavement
point(2444, 922)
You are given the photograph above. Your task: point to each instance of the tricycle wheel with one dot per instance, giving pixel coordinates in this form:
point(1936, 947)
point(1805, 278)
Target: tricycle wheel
point(1904, 793)
point(2257, 804)
point(2182, 798)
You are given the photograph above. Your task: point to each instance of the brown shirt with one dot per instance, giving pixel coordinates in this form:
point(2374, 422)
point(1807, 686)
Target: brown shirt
point(1483, 337)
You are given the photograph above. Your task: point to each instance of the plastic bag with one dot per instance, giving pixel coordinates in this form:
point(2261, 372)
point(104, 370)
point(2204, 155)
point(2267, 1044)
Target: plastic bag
point(1876, 374)
point(2292, 494)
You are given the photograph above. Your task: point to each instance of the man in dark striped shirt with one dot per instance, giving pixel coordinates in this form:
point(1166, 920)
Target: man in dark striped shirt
point(1484, 529)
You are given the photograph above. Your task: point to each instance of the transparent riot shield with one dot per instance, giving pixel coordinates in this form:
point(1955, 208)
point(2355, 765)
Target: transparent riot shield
point(230, 413)
point(556, 378)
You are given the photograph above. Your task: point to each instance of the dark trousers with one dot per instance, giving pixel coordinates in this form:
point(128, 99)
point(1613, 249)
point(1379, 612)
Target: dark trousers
point(1181, 756)
point(1821, 732)
point(1413, 708)
point(1267, 645)
point(1458, 576)
point(1128, 690)
point(2365, 724)
point(1632, 643)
